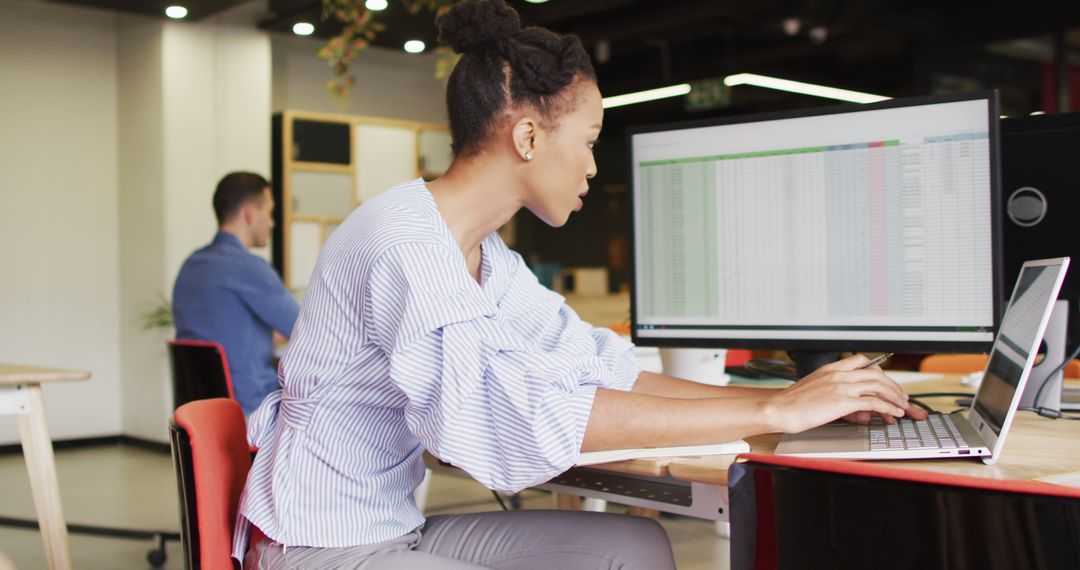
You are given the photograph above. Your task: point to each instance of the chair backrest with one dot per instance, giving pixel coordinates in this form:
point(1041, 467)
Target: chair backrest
point(968, 363)
point(794, 512)
point(738, 357)
point(953, 363)
point(212, 459)
point(200, 370)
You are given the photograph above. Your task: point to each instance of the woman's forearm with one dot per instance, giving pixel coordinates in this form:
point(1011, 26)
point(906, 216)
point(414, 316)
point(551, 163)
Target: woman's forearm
point(671, 387)
point(665, 411)
point(622, 420)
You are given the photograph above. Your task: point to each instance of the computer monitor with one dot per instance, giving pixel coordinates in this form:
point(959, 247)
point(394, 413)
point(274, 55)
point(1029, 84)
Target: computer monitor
point(852, 227)
point(1041, 197)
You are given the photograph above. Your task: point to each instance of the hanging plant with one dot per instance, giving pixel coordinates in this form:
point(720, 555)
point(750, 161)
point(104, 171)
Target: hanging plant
point(358, 30)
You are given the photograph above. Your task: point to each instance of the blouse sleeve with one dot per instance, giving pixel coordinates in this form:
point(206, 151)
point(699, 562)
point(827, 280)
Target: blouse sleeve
point(616, 353)
point(483, 394)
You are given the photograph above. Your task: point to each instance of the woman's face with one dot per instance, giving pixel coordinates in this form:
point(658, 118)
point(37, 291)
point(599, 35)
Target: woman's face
point(563, 161)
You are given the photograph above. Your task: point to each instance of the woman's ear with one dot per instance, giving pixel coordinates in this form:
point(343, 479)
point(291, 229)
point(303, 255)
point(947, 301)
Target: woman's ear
point(524, 134)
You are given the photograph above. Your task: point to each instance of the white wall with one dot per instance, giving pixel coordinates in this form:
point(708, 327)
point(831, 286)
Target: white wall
point(389, 83)
point(217, 119)
point(115, 130)
point(59, 296)
point(142, 233)
point(200, 107)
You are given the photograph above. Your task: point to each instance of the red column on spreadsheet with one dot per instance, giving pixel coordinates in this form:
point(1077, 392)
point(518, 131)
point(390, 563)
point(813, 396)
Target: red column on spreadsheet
point(879, 302)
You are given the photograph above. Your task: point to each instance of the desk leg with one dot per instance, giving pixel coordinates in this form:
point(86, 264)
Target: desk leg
point(37, 448)
point(567, 502)
point(644, 512)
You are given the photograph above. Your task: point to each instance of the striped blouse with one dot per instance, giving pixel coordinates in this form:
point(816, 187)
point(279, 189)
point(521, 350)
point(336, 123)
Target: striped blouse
point(398, 349)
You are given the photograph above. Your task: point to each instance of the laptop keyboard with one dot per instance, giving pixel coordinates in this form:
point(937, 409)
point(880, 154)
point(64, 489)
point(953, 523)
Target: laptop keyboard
point(935, 432)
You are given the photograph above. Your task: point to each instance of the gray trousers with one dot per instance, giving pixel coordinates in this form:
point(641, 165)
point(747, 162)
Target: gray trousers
point(513, 540)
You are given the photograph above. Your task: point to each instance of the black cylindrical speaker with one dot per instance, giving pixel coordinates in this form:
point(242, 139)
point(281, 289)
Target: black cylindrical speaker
point(1040, 168)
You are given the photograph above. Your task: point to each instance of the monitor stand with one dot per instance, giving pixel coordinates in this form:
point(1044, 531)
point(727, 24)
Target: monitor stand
point(1054, 338)
point(807, 361)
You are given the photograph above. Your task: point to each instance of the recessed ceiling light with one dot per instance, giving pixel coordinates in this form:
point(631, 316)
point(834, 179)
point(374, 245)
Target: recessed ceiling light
point(376, 5)
point(414, 46)
point(176, 12)
point(536, 1)
point(303, 29)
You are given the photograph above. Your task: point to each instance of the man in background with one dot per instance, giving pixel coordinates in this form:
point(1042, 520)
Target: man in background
point(226, 294)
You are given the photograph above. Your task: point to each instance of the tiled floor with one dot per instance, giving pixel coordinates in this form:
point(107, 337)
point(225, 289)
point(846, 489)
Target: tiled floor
point(128, 487)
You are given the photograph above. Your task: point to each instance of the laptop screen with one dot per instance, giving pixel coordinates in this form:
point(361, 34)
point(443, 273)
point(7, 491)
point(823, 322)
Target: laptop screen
point(1018, 336)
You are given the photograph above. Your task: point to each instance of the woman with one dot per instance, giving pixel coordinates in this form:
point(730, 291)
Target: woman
point(421, 330)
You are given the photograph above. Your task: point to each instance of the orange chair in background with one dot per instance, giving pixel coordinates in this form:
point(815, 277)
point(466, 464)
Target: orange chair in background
point(737, 357)
point(212, 459)
point(968, 363)
point(953, 363)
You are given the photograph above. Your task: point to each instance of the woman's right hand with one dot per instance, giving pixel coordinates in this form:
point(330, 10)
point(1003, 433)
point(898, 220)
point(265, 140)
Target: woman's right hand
point(837, 390)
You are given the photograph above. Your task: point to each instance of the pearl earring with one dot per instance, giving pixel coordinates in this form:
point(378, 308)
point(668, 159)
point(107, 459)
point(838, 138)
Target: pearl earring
point(528, 155)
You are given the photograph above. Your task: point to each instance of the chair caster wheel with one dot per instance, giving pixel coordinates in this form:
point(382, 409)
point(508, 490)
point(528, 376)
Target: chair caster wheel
point(156, 556)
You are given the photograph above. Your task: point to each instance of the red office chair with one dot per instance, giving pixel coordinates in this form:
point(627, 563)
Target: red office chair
point(737, 357)
point(953, 363)
point(200, 370)
point(793, 512)
point(211, 456)
point(968, 363)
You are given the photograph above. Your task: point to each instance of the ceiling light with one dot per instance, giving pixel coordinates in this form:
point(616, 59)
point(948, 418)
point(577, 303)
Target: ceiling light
point(176, 12)
point(643, 96)
point(375, 5)
point(303, 29)
point(414, 46)
point(801, 88)
point(602, 51)
point(791, 26)
point(1037, 113)
point(536, 1)
point(818, 34)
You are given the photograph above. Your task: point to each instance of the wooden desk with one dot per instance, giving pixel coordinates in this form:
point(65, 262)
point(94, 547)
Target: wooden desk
point(1034, 447)
point(20, 394)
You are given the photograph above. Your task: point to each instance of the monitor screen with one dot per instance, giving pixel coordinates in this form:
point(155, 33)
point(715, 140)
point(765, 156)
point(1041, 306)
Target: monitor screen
point(1021, 330)
point(855, 227)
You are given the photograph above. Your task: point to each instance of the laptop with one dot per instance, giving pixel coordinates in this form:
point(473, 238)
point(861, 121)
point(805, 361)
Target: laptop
point(980, 432)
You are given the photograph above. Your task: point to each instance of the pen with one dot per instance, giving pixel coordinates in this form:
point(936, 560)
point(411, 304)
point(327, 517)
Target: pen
point(878, 359)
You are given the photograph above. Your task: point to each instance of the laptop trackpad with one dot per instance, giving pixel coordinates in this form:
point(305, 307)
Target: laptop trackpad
point(838, 437)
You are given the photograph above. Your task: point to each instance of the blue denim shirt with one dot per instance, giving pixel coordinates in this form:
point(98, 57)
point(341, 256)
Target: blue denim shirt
point(226, 294)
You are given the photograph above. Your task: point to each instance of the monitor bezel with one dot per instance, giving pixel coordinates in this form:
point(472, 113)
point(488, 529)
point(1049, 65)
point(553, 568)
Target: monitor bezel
point(990, 96)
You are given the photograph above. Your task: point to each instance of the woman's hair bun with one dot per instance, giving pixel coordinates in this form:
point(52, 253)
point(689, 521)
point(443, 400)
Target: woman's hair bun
point(474, 23)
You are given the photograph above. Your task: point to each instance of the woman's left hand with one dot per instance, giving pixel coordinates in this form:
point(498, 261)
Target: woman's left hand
point(863, 418)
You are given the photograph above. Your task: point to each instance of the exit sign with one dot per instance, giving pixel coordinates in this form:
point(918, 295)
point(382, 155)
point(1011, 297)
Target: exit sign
point(708, 94)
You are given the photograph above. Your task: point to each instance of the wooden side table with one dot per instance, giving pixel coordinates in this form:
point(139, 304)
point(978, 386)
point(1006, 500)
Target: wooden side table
point(20, 394)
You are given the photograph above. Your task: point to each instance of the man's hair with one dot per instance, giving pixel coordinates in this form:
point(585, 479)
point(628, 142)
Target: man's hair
point(235, 190)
